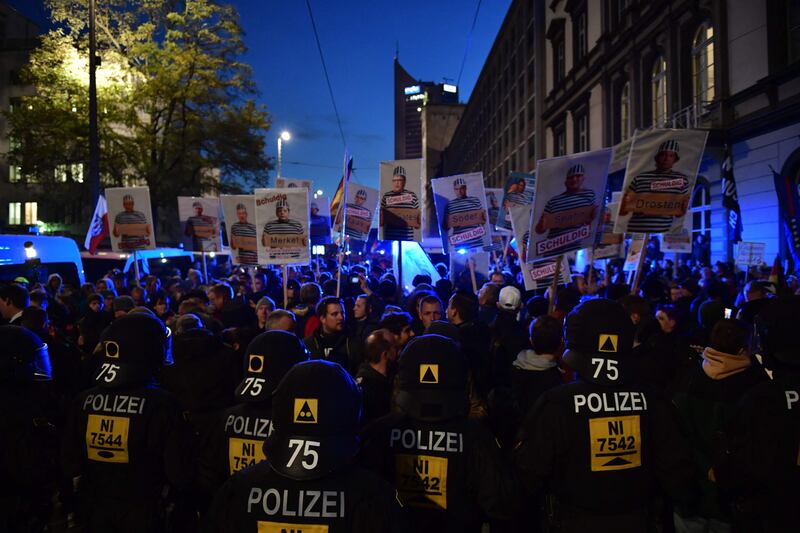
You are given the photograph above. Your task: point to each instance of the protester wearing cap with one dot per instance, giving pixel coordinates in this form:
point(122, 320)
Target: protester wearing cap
point(447, 468)
point(236, 440)
point(662, 180)
point(126, 437)
point(309, 481)
point(602, 446)
point(27, 437)
point(509, 336)
point(755, 461)
point(576, 199)
point(393, 199)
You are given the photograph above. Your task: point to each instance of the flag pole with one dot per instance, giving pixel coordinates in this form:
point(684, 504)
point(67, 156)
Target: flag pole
point(136, 267)
point(471, 264)
point(343, 234)
point(554, 285)
point(285, 287)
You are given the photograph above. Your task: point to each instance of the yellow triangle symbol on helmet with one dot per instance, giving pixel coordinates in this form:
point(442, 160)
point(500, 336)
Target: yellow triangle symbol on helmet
point(608, 342)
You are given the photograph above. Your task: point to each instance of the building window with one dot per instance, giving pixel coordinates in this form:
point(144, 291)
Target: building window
point(73, 172)
point(560, 142)
point(658, 90)
point(703, 64)
point(582, 132)
point(701, 221)
point(625, 112)
point(14, 173)
point(579, 31)
point(559, 58)
point(14, 209)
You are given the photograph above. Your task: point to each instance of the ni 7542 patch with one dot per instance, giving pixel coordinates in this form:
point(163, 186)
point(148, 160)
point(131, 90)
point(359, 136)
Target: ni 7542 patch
point(615, 443)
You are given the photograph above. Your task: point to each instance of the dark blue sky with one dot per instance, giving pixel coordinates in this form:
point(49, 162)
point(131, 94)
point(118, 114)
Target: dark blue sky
point(359, 40)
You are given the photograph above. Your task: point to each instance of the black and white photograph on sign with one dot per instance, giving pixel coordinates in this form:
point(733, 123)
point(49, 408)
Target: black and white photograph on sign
point(460, 273)
point(539, 275)
point(130, 219)
point(518, 190)
point(400, 217)
point(199, 219)
point(361, 203)
point(659, 180)
point(288, 183)
point(635, 248)
point(608, 244)
point(239, 211)
point(521, 223)
point(568, 203)
point(461, 210)
point(320, 218)
point(283, 228)
point(493, 199)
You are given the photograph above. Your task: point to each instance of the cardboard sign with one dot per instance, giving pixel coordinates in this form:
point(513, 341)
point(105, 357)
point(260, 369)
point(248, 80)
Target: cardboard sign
point(467, 218)
point(286, 241)
point(659, 204)
point(134, 230)
point(401, 217)
point(282, 217)
point(245, 243)
point(358, 224)
point(567, 203)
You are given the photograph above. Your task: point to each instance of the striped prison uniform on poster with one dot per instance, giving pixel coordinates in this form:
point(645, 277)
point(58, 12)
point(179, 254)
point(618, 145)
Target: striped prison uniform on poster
point(276, 227)
point(462, 205)
point(245, 229)
point(564, 202)
point(349, 230)
point(399, 234)
point(200, 244)
point(647, 182)
point(131, 242)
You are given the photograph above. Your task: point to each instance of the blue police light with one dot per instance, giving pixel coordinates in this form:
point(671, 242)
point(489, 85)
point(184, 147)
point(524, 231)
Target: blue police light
point(461, 251)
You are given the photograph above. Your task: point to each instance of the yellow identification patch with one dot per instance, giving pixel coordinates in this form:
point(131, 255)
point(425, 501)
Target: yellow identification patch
point(305, 411)
point(615, 442)
point(255, 363)
point(282, 527)
point(421, 480)
point(607, 342)
point(429, 373)
point(107, 438)
point(243, 453)
point(112, 349)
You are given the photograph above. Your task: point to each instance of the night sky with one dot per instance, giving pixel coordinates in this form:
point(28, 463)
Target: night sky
point(359, 41)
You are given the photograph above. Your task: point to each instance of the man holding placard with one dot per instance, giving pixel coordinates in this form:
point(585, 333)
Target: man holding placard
point(657, 196)
point(569, 211)
point(131, 226)
point(400, 213)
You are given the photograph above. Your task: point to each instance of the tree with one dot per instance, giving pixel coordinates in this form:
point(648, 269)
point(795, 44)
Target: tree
point(176, 103)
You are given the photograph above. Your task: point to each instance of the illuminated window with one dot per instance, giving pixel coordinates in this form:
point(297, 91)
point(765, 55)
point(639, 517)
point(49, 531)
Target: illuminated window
point(703, 64)
point(625, 112)
point(74, 171)
point(31, 212)
point(701, 220)
point(658, 89)
point(14, 209)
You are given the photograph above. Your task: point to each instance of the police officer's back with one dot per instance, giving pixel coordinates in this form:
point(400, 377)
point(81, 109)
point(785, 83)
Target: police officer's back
point(308, 482)
point(237, 439)
point(126, 438)
point(447, 468)
point(757, 465)
point(598, 446)
point(28, 443)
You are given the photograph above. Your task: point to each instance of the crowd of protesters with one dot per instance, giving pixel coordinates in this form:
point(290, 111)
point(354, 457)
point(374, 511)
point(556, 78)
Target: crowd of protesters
point(695, 342)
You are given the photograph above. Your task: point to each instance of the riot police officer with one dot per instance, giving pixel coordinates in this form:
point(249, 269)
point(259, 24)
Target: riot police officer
point(237, 439)
point(598, 446)
point(28, 442)
point(308, 482)
point(447, 468)
point(125, 438)
point(757, 465)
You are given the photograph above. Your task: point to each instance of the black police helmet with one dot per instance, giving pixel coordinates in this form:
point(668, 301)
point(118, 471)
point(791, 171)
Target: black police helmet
point(777, 328)
point(24, 357)
point(133, 348)
point(316, 408)
point(269, 357)
point(432, 378)
point(598, 329)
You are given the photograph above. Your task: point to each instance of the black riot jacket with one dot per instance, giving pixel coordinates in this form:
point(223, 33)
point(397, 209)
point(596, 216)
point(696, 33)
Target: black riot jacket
point(350, 500)
point(448, 474)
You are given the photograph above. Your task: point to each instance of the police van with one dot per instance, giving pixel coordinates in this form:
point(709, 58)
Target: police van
point(34, 257)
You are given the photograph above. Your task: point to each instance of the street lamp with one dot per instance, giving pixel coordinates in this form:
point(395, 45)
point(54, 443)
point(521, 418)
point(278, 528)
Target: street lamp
point(284, 136)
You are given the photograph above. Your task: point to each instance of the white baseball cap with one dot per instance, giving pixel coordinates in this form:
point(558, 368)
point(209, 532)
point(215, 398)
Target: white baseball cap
point(510, 298)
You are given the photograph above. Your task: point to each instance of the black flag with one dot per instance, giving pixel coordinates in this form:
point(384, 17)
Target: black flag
point(730, 200)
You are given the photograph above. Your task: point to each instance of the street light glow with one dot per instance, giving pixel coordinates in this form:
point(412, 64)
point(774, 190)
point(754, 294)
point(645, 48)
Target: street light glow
point(286, 136)
point(319, 192)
